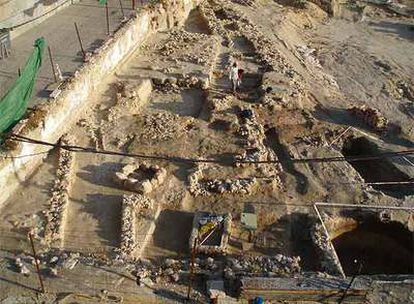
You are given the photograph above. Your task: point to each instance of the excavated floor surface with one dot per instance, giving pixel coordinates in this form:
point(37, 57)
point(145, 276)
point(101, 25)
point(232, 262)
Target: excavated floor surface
point(292, 104)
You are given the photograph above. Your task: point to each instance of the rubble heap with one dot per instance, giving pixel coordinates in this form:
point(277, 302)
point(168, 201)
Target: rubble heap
point(371, 117)
point(165, 126)
point(278, 265)
point(21, 267)
point(256, 149)
point(202, 187)
point(142, 178)
point(131, 205)
point(60, 194)
point(181, 39)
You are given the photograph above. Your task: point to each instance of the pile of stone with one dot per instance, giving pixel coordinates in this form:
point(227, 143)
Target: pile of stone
point(278, 265)
point(55, 215)
point(165, 126)
point(21, 267)
point(371, 117)
point(181, 39)
point(170, 269)
point(241, 186)
point(176, 84)
point(254, 136)
point(198, 186)
point(131, 206)
point(140, 177)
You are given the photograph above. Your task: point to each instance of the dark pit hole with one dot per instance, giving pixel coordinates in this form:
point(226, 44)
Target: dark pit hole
point(196, 23)
point(215, 238)
point(143, 174)
point(251, 81)
point(374, 247)
point(221, 14)
point(250, 89)
point(377, 170)
point(243, 45)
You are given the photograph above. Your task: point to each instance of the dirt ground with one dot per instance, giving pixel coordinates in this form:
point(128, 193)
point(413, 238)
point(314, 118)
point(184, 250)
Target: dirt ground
point(303, 69)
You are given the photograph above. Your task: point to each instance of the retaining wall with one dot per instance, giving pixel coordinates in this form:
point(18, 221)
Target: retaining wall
point(57, 116)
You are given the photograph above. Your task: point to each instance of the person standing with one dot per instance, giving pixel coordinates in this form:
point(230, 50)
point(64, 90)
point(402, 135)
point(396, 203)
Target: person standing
point(234, 76)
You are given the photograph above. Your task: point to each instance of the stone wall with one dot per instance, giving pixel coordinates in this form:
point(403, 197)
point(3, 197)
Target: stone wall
point(72, 98)
point(56, 214)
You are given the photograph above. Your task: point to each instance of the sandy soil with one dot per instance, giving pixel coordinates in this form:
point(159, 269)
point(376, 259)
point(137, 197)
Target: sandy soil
point(358, 58)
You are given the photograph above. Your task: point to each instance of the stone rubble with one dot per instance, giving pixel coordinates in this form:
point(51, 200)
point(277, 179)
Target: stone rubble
point(198, 186)
point(21, 268)
point(371, 117)
point(55, 215)
point(278, 265)
point(256, 148)
point(165, 126)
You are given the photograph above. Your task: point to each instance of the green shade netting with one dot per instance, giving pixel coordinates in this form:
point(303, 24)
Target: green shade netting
point(14, 104)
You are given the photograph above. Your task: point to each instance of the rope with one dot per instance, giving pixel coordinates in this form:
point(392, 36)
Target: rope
point(178, 159)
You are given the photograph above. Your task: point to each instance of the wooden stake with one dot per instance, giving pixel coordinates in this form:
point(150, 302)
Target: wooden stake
point(52, 63)
point(42, 288)
point(80, 41)
point(107, 17)
point(190, 280)
point(133, 5)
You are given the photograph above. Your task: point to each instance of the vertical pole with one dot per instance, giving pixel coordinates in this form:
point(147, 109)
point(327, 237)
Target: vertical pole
point(19, 72)
point(80, 41)
point(122, 8)
point(42, 288)
point(52, 63)
point(190, 280)
point(351, 282)
point(133, 5)
point(107, 17)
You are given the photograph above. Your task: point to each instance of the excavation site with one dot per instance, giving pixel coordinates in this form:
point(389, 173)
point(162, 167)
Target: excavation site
point(207, 151)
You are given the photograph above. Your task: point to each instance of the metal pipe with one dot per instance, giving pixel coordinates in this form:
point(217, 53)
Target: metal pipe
point(52, 63)
point(107, 17)
point(42, 287)
point(80, 41)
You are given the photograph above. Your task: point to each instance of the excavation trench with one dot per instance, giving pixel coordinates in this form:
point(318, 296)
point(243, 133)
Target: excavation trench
point(273, 141)
point(375, 247)
point(377, 171)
